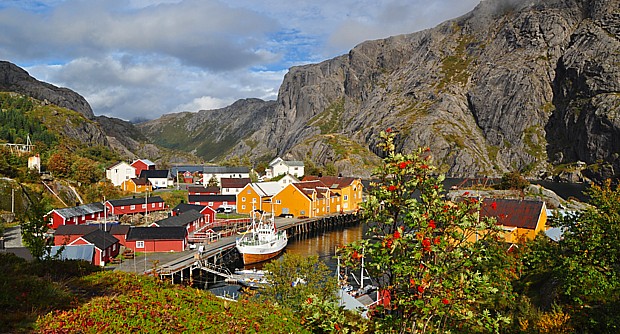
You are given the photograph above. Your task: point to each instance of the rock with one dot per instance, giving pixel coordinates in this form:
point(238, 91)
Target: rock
point(15, 79)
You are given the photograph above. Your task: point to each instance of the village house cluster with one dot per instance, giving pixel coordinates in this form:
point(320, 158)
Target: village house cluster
point(93, 232)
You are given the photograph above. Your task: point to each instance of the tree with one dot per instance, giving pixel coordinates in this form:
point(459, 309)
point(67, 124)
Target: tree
point(293, 278)
point(213, 182)
point(59, 163)
point(588, 262)
point(433, 259)
point(35, 226)
point(85, 170)
point(513, 180)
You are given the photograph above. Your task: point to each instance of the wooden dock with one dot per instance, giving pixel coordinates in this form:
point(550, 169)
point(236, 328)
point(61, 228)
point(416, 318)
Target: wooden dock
point(218, 254)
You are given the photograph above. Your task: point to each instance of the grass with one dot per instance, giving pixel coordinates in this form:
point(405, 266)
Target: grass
point(329, 120)
point(75, 297)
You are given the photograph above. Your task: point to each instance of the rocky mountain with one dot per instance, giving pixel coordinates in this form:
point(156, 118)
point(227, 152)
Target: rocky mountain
point(212, 134)
point(513, 85)
point(14, 79)
point(83, 127)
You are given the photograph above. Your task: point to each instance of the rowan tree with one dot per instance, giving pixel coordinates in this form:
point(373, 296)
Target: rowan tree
point(434, 260)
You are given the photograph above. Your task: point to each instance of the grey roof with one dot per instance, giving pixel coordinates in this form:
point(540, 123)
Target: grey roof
point(120, 229)
point(225, 170)
point(146, 162)
point(294, 163)
point(81, 210)
point(184, 207)
point(135, 201)
point(75, 229)
point(181, 220)
point(157, 233)
point(100, 239)
point(74, 252)
point(154, 174)
point(186, 168)
point(211, 198)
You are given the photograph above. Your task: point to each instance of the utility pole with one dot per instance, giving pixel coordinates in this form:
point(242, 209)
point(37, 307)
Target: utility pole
point(12, 200)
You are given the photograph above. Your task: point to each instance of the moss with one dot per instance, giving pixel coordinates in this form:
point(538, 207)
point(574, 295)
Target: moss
point(454, 67)
point(329, 120)
point(457, 140)
point(534, 147)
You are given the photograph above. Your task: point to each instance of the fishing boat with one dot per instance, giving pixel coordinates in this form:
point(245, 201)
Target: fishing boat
point(262, 241)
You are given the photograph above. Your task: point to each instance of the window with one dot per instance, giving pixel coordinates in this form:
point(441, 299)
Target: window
point(139, 244)
point(253, 200)
point(242, 199)
point(243, 207)
point(123, 207)
point(249, 191)
point(133, 207)
point(346, 197)
point(302, 212)
point(278, 201)
point(153, 205)
point(144, 206)
point(210, 204)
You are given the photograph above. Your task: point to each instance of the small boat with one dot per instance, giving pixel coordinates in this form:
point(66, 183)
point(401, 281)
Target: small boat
point(262, 241)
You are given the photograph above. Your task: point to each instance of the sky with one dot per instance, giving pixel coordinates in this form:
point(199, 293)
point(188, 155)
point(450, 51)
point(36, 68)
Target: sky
point(139, 59)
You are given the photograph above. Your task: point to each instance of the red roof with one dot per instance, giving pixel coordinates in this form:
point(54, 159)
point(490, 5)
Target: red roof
point(513, 212)
point(235, 182)
point(333, 182)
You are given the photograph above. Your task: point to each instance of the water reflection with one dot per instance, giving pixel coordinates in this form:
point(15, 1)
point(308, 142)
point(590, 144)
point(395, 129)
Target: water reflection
point(322, 245)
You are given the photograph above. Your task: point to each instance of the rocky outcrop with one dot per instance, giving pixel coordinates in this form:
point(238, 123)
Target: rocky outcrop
point(15, 79)
point(488, 92)
point(212, 134)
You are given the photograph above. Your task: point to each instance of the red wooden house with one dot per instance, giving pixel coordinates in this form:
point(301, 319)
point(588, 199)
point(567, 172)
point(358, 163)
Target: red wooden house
point(106, 246)
point(188, 177)
point(203, 190)
point(214, 201)
point(120, 232)
point(66, 234)
point(157, 239)
point(75, 215)
point(134, 205)
point(206, 211)
point(192, 220)
point(142, 164)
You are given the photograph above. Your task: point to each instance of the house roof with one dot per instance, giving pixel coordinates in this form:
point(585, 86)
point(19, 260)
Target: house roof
point(140, 182)
point(513, 212)
point(184, 207)
point(75, 229)
point(154, 174)
point(81, 210)
point(266, 189)
point(183, 219)
point(135, 201)
point(145, 161)
point(333, 182)
point(294, 163)
point(235, 182)
point(119, 229)
point(157, 233)
point(100, 239)
point(120, 163)
point(201, 189)
point(74, 252)
point(186, 168)
point(225, 170)
point(211, 198)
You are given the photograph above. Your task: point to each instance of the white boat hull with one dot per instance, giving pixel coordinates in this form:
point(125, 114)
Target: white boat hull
point(262, 252)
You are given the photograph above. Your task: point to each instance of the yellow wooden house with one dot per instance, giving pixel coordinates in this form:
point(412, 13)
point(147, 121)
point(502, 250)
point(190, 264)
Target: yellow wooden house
point(257, 196)
point(305, 199)
point(137, 185)
point(350, 190)
point(520, 220)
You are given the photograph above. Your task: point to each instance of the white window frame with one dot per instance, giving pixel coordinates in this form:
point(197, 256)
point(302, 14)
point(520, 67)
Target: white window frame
point(139, 244)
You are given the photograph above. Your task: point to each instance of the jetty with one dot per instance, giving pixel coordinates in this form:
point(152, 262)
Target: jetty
point(211, 259)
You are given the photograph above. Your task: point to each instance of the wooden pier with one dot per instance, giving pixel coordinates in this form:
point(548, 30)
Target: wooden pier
point(211, 259)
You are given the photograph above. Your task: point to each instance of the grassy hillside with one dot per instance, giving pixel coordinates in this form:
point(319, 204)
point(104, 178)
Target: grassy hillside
point(72, 297)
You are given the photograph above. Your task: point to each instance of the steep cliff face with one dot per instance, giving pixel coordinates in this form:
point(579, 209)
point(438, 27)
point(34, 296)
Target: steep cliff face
point(15, 79)
point(498, 89)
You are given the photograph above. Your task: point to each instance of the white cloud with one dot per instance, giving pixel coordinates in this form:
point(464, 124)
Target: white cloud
point(143, 58)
